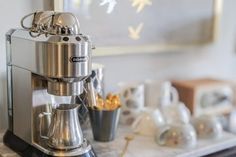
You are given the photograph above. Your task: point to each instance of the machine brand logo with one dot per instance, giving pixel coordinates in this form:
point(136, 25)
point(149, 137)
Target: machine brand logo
point(74, 59)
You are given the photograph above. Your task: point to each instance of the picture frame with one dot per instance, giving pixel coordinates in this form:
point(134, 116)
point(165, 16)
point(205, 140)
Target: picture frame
point(157, 47)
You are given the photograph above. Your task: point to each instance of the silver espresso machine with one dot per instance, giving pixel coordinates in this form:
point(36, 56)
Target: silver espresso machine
point(47, 65)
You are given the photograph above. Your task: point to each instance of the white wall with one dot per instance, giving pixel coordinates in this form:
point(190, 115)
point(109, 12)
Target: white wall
point(217, 60)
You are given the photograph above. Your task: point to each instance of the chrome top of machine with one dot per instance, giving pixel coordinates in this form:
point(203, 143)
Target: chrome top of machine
point(53, 48)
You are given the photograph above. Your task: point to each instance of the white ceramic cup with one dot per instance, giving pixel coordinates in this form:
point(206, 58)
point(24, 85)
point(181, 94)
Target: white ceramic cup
point(176, 113)
point(183, 136)
point(132, 99)
point(232, 122)
point(159, 93)
point(207, 127)
point(148, 122)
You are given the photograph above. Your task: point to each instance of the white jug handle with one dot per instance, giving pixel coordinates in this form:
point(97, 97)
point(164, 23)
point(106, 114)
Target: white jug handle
point(160, 135)
point(175, 95)
point(41, 115)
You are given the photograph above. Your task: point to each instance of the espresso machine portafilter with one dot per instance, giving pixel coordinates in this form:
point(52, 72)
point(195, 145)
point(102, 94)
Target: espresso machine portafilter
point(49, 58)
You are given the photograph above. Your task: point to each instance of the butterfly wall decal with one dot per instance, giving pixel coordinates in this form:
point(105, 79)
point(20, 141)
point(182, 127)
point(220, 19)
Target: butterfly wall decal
point(134, 33)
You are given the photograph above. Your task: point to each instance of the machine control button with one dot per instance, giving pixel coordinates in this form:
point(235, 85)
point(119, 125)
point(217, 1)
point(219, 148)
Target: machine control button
point(65, 38)
point(77, 38)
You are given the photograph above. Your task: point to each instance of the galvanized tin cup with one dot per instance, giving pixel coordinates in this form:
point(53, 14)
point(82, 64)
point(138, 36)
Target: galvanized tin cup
point(104, 124)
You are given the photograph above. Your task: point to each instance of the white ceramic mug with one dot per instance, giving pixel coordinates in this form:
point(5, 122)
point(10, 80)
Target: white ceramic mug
point(232, 122)
point(148, 122)
point(176, 113)
point(173, 135)
point(132, 99)
point(207, 126)
point(160, 93)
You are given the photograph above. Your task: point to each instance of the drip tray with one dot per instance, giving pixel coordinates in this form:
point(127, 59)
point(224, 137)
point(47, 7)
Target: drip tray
point(83, 149)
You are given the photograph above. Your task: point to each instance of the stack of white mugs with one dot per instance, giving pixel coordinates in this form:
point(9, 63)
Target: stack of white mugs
point(153, 109)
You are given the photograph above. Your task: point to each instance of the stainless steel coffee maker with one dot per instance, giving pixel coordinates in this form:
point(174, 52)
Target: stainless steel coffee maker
point(47, 65)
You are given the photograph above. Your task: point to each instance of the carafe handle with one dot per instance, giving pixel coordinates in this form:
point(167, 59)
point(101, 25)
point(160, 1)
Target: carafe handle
point(174, 95)
point(41, 115)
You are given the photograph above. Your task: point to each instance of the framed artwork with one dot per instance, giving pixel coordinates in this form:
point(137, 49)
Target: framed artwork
point(145, 26)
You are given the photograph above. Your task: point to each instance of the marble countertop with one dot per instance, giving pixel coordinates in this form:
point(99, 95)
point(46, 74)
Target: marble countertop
point(144, 145)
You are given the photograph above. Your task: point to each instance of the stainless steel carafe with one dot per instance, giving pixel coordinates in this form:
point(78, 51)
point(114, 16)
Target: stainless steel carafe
point(64, 131)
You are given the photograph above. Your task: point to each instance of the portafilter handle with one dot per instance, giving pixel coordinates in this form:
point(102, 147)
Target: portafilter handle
point(91, 95)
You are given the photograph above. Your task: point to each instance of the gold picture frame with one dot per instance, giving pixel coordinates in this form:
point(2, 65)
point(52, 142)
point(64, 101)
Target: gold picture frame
point(157, 48)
